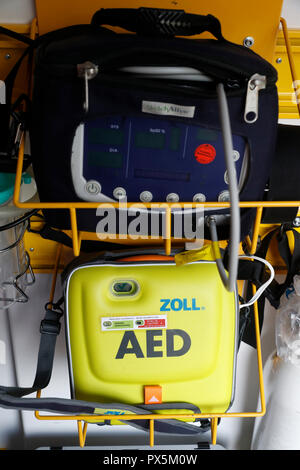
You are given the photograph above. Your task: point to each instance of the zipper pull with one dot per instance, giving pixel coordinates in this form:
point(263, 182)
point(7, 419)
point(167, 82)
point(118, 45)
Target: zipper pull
point(87, 71)
point(255, 84)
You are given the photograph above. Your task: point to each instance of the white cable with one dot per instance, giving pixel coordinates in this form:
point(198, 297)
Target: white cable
point(234, 237)
point(265, 285)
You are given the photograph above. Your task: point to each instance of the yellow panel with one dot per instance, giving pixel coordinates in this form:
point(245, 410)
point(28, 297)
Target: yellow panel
point(259, 19)
point(10, 52)
point(287, 98)
point(43, 252)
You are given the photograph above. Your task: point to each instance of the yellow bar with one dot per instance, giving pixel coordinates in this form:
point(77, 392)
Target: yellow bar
point(151, 429)
point(85, 430)
point(214, 425)
point(153, 205)
point(168, 232)
point(81, 434)
point(16, 196)
point(259, 359)
point(33, 29)
point(256, 319)
point(296, 83)
point(97, 418)
point(256, 230)
point(55, 271)
point(75, 238)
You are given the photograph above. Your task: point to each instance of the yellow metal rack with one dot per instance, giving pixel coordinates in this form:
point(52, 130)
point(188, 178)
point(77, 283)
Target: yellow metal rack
point(82, 424)
point(77, 237)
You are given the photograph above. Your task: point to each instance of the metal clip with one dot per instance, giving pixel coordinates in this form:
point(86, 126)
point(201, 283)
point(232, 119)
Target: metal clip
point(256, 83)
point(87, 71)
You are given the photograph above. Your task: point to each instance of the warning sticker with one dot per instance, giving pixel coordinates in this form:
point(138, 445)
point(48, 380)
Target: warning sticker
point(133, 323)
point(205, 154)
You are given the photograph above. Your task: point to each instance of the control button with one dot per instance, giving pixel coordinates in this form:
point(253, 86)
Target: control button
point(172, 197)
point(205, 154)
point(199, 197)
point(226, 177)
point(236, 155)
point(92, 187)
point(119, 193)
point(224, 196)
point(124, 288)
point(146, 196)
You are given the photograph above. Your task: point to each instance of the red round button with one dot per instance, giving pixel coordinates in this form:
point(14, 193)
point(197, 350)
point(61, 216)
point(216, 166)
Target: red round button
point(205, 153)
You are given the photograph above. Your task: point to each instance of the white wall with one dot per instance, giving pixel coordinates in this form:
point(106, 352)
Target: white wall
point(17, 11)
point(291, 12)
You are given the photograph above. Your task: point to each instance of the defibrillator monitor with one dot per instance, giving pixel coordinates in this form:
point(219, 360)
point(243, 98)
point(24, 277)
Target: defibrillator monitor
point(150, 158)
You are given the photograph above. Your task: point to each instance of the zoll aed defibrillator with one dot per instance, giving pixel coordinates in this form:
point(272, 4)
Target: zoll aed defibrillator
point(153, 331)
point(142, 330)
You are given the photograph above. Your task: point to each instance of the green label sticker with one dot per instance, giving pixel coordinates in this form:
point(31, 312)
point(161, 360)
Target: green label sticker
point(133, 322)
point(117, 324)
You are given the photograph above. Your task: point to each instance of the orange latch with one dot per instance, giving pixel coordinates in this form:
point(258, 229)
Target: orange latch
point(152, 394)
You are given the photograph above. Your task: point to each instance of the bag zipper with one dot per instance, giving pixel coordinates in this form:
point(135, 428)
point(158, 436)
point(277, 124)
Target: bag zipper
point(255, 84)
point(88, 70)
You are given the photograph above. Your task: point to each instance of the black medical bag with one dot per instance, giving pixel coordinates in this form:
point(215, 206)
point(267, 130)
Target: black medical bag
point(108, 120)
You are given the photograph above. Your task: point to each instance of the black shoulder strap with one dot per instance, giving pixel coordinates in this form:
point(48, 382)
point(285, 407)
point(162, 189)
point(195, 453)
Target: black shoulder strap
point(87, 246)
point(275, 290)
point(290, 258)
point(257, 277)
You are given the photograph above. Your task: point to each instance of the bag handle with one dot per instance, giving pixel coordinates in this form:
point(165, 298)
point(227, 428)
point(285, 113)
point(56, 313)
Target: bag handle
point(158, 22)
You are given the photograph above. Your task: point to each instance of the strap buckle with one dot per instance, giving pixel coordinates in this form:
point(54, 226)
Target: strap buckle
point(50, 327)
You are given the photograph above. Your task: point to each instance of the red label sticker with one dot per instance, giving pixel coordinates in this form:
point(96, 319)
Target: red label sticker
point(205, 153)
point(153, 323)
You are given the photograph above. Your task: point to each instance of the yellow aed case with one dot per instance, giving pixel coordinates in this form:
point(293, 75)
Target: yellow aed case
point(139, 323)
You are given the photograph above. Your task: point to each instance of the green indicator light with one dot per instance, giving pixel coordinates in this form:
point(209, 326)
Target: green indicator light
point(124, 288)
